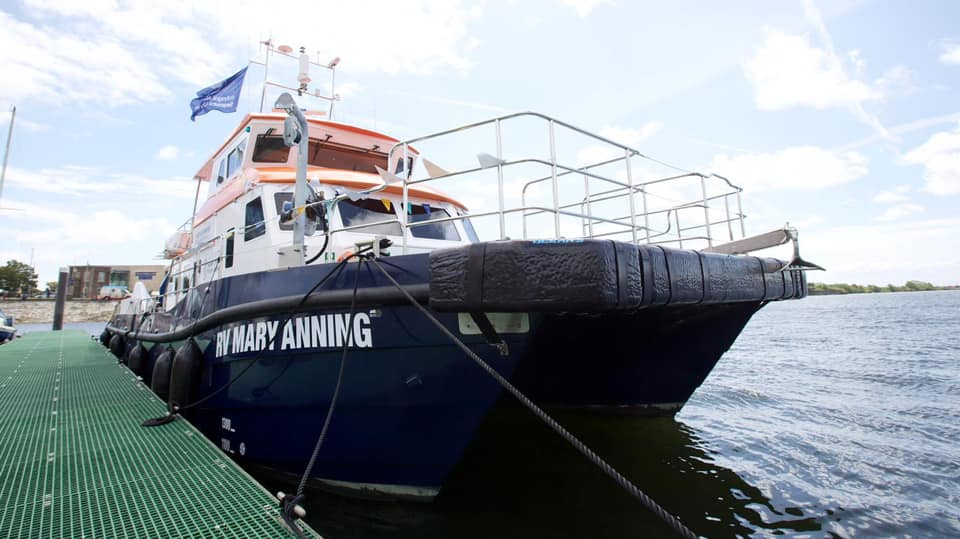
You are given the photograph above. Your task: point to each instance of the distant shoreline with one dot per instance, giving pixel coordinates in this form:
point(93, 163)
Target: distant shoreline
point(825, 289)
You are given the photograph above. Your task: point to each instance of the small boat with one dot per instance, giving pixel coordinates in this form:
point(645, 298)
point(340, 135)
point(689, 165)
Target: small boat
point(7, 331)
point(299, 281)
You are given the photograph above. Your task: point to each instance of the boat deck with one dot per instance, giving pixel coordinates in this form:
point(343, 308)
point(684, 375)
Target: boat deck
point(75, 462)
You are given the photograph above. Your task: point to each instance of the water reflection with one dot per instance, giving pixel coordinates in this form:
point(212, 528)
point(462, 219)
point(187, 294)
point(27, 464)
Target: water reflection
point(518, 479)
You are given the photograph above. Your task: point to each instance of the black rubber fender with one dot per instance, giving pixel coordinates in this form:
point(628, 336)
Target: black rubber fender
point(105, 338)
point(117, 346)
point(160, 378)
point(185, 373)
point(540, 275)
point(137, 360)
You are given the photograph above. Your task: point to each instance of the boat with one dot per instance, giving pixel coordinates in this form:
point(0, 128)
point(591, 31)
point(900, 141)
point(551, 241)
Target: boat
point(7, 331)
point(297, 286)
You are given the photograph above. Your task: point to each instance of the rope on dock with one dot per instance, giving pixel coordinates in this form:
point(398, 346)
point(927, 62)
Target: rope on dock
point(619, 478)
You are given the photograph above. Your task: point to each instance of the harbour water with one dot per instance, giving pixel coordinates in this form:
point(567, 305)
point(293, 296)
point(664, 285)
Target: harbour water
point(832, 416)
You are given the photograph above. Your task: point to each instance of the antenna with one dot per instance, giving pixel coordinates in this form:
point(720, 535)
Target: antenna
point(6, 153)
point(304, 77)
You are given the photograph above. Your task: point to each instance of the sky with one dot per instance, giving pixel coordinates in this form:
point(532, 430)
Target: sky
point(840, 117)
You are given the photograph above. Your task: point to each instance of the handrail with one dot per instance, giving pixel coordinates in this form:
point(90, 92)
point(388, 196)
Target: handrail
point(627, 188)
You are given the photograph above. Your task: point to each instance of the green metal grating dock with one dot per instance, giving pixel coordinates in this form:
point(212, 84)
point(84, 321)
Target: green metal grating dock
point(75, 462)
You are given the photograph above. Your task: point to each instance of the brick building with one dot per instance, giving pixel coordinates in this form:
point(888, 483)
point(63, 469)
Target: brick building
point(86, 281)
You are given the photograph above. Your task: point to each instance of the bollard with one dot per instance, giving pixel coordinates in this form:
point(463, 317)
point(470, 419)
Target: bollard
point(61, 298)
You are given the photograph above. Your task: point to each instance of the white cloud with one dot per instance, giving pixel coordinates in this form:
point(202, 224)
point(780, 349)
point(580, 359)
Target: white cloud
point(584, 7)
point(628, 136)
point(30, 125)
point(59, 236)
point(951, 52)
point(90, 181)
point(900, 211)
point(896, 195)
point(862, 254)
point(48, 64)
point(167, 153)
point(797, 168)
point(787, 71)
point(940, 158)
point(127, 52)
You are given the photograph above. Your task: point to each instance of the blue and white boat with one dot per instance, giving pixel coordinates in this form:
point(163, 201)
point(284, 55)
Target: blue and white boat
point(608, 297)
point(7, 331)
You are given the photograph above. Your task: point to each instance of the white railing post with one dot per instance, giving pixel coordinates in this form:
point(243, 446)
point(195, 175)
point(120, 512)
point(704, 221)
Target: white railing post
point(553, 175)
point(503, 224)
point(706, 210)
point(633, 211)
point(405, 209)
point(743, 229)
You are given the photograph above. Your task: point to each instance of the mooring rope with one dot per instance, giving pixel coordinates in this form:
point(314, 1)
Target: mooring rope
point(289, 503)
point(625, 483)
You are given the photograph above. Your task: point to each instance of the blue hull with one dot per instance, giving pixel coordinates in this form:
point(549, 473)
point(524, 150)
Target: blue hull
point(408, 407)
point(411, 401)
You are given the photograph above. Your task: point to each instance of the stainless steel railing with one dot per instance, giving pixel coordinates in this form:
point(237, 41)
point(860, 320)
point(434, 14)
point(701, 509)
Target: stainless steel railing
point(613, 200)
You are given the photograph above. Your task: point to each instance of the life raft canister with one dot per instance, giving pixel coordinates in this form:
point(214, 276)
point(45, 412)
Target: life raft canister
point(160, 378)
point(117, 346)
point(185, 374)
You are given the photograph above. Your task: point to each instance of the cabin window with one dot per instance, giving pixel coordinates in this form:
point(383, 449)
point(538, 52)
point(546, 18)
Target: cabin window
point(222, 171)
point(228, 251)
point(253, 225)
point(235, 159)
point(328, 154)
point(270, 149)
point(434, 231)
point(368, 210)
point(279, 199)
point(400, 169)
point(184, 283)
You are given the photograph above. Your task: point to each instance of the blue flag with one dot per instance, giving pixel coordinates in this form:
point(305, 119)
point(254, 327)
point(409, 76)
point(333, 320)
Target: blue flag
point(222, 96)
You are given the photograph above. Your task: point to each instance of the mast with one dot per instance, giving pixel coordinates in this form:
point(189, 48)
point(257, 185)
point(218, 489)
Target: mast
point(6, 153)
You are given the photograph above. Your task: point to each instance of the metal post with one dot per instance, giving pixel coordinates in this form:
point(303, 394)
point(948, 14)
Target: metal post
point(266, 76)
point(553, 175)
point(633, 211)
point(676, 215)
point(61, 299)
point(503, 225)
point(300, 189)
point(333, 90)
point(706, 210)
point(6, 153)
point(743, 229)
point(726, 205)
point(405, 210)
point(586, 192)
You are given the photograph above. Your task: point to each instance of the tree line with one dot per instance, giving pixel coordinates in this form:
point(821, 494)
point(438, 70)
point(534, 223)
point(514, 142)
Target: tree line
point(19, 279)
point(815, 289)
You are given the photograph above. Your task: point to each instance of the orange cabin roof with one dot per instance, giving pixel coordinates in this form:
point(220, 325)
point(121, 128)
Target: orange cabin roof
point(206, 171)
point(234, 188)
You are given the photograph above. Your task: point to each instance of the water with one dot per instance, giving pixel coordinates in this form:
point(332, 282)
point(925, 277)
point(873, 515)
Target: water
point(831, 416)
